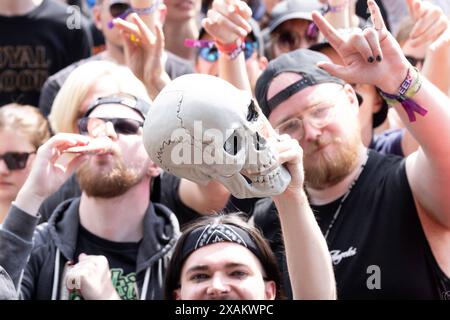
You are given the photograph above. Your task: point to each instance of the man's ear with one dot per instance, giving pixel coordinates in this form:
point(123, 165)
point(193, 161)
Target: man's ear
point(153, 170)
point(351, 95)
point(162, 13)
point(96, 16)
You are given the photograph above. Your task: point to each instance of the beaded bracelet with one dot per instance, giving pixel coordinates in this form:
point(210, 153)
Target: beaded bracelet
point(407, 90)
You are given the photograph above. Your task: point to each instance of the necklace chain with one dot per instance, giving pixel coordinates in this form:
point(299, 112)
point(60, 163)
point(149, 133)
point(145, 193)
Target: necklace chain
point(344, 197)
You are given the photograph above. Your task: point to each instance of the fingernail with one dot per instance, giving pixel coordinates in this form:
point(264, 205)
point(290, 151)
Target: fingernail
point(371, 59)
point(379, 58)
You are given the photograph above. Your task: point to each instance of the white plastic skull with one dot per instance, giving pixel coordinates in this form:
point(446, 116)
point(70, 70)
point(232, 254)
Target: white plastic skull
point(201, 127)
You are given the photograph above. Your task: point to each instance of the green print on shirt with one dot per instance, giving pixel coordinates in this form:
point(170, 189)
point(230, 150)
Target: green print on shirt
point(125, 285)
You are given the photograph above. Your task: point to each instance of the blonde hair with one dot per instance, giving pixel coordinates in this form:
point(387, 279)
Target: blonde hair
point(26, 120)
point(66, 108)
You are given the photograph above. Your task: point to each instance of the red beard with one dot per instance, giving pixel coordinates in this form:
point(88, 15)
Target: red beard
point(108, 184)
point(325, 168)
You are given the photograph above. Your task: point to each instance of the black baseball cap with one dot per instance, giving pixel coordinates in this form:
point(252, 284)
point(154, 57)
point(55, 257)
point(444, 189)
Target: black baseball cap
point(301, 61)
point(139, 105)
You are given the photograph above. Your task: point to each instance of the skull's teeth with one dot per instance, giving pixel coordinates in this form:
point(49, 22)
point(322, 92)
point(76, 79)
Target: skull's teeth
point(267, 178)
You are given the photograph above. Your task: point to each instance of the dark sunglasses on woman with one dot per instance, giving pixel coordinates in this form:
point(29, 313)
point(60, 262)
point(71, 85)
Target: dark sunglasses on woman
point(121, 125)
point(415, 61)
point(292, 40)
point(15, 160)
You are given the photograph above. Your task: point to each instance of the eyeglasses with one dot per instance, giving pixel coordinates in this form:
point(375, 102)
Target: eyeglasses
point(211, 54)
point(292, 40)
point(123, 9)
point(16, 160)
point(318, 116)
point(415, 61)
point(91, 125)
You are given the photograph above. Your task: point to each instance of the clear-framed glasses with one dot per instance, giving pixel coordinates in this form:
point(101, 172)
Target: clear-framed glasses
point(319, 116)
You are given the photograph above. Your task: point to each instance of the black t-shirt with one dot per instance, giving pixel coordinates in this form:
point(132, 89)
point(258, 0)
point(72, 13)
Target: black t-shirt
point(378, 247)
point(36, 45)
point(121, 257)
point(170, 197)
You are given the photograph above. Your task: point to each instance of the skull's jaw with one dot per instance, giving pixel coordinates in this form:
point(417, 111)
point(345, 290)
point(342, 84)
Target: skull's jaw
point(257, 186)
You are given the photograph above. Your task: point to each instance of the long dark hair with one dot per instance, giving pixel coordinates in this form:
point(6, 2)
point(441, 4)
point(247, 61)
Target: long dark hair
point(267, 258)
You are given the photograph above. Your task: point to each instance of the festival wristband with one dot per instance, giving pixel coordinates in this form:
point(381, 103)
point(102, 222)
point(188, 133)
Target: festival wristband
point(407, 90)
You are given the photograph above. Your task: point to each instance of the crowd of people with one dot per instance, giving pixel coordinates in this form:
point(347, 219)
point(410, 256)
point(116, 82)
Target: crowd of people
point(225, 149)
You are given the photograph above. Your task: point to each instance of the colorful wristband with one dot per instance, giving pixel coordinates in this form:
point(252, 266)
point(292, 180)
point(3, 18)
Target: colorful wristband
point(407, 90)
point(231, 49)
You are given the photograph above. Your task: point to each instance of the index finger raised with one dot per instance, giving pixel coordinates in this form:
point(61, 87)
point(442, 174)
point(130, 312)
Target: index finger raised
point(330, 33)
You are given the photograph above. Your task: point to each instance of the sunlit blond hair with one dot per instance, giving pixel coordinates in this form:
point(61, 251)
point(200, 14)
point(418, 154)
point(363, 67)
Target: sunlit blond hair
point(66, 108)
point(26, 120)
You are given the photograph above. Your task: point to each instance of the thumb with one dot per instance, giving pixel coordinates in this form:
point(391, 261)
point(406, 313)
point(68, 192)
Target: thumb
point(333, 69)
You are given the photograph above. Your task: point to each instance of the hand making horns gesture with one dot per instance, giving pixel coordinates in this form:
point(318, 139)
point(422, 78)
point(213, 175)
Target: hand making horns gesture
point(371, 56)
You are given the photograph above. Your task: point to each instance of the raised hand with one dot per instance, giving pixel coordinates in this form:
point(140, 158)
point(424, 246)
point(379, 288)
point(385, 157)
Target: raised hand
point(290, 154)
point(370, 56)
point(431, 24)
point(227, 21)
point(144, 52)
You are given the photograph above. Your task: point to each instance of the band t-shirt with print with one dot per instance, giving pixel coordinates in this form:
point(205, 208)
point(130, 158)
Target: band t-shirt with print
point(121, 257)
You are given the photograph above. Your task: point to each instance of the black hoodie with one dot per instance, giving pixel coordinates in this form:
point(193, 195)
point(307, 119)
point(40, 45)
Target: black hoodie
point(55, 244)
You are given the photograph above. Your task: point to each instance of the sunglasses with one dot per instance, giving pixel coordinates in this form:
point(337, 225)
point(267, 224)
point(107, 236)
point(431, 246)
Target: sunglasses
point(211, 54)
point(90, 125)
point(292, 40)
point(16, 160)
point(415, 61)
point(123, 9)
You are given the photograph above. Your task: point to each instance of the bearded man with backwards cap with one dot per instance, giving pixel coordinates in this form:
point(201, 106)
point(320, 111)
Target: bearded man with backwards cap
point(385, 218)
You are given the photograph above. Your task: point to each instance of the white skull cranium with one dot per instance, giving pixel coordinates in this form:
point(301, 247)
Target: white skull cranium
point(201, 127)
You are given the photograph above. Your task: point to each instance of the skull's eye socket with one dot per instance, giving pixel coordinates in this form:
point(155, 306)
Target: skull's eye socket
point(233, 143)
point(252, 114)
